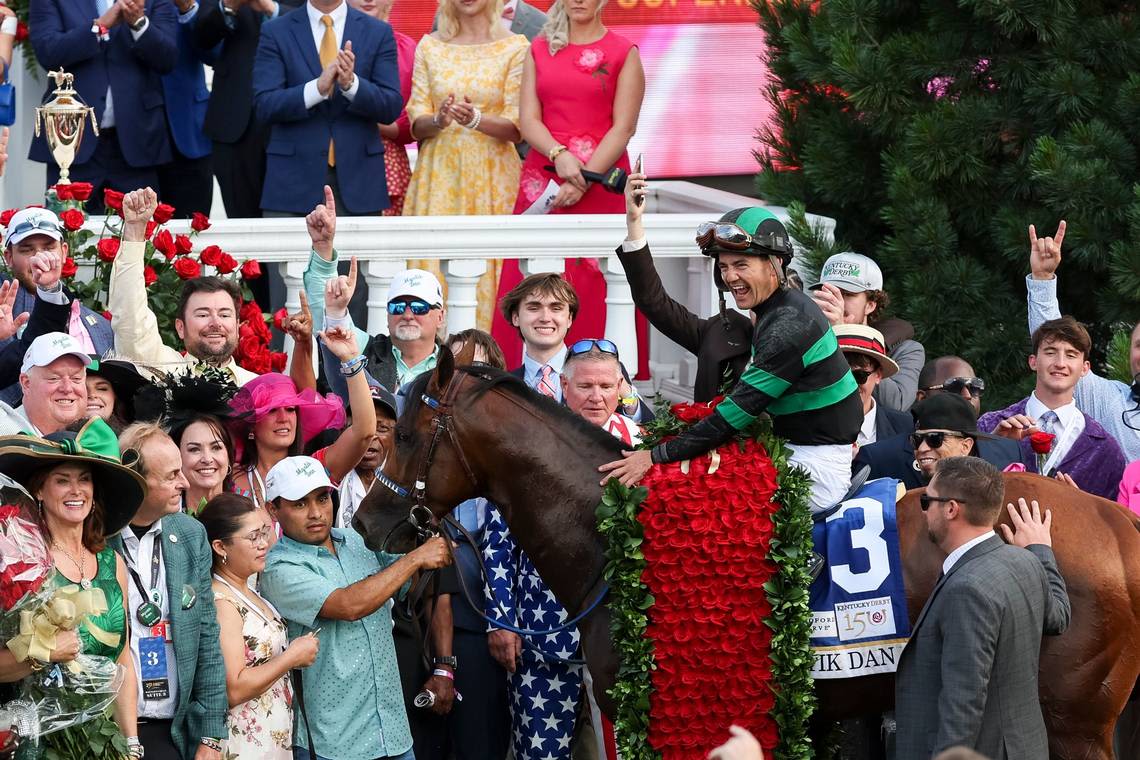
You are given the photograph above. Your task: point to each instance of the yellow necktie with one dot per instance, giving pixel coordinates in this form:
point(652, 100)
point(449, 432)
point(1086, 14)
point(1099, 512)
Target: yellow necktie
point(328, 55)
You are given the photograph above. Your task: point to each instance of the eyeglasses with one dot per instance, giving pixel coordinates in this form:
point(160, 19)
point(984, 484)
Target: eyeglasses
point(925, 500)
point(418, 307)
point(933, 440)
point(860, 375)
point(588, 344)
point(260, 536)
point(734, 238)
point(956, 385)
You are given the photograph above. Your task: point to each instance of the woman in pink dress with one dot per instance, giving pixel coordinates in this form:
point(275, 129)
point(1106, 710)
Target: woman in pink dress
point(581, 96)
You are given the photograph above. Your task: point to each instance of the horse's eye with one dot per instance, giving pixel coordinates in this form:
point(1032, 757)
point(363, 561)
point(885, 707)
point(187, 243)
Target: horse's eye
point(402, 436)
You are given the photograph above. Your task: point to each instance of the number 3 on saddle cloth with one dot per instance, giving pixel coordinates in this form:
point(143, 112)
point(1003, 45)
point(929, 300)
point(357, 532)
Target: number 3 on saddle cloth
point(859, 613)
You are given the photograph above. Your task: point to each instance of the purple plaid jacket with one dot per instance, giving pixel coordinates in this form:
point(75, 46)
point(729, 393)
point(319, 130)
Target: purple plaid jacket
point(1095, 460)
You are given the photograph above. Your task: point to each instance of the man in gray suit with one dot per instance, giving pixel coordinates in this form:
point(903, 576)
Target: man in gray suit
point(968, 675)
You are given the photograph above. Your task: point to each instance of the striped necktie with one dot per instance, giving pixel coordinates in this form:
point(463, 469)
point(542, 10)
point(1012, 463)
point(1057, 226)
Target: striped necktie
point(545, 384)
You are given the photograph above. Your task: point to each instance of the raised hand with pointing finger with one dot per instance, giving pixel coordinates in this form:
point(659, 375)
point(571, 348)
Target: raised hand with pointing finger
point(321, 224)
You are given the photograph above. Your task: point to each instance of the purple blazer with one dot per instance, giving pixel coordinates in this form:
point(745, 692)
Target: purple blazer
point(1095, 460)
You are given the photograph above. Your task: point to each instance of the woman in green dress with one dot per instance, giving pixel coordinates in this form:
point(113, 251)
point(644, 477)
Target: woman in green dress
point(83, 494)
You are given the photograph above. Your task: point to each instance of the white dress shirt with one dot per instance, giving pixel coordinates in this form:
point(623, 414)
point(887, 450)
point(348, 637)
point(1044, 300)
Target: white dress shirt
point(138, 553)
point(339, 14)
point(958, 553)
point(532, 371)
point(1069, 426)
point(868, 432)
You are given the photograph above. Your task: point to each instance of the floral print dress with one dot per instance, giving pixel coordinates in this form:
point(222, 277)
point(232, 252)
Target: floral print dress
point(263, 726)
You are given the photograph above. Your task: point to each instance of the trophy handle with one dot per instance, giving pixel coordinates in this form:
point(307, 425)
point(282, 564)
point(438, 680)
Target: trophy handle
point(94, 123)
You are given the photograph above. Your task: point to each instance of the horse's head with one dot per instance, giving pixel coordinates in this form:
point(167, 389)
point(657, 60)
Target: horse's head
point(426, 471)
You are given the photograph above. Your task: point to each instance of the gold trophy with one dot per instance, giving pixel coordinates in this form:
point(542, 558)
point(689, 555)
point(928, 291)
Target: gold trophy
point(64, 117)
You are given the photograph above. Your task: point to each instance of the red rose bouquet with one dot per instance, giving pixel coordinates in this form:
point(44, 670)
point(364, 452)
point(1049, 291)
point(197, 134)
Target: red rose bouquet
point(24, 562)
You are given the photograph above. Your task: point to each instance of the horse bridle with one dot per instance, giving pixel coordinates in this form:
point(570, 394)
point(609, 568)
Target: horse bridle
point(420, 515)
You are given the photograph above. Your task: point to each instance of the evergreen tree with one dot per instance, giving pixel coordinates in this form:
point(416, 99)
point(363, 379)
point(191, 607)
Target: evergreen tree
point(935, 132)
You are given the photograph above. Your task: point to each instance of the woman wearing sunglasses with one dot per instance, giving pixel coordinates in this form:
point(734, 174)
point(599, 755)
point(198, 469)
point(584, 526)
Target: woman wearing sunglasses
point(796, 373)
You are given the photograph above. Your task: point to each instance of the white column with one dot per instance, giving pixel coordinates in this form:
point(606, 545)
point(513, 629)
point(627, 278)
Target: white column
point(462, 277)
point(620, 325)
point(292, 273)
point(378, 276)
point(542, 265)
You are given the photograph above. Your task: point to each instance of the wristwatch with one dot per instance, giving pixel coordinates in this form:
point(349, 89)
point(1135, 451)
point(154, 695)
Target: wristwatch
point(138, 25)
point(451, 662)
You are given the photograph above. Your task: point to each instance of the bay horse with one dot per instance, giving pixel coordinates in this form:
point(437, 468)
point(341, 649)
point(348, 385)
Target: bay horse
point(470, 431)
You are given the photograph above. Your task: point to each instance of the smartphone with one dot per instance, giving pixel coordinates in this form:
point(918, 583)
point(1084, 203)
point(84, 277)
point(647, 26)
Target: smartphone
point(640, 200)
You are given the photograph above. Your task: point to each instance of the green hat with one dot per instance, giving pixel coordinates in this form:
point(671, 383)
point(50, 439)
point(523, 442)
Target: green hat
point(770, 237)
point(121, 487)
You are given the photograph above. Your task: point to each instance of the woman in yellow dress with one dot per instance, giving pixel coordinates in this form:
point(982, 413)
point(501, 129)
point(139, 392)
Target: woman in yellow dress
point(464, 111)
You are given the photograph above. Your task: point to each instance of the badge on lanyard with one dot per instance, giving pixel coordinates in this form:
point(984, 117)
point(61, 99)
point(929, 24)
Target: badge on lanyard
point(152, 666)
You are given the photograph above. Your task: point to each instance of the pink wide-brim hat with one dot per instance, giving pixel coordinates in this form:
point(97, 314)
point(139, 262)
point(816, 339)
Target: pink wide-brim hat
point(263, 394)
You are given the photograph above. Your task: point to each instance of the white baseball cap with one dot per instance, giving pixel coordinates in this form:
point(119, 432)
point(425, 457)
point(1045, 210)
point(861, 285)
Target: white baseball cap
point(32, 221)
point(416, 283)
point(50, 346)
point(295, 477)
point(852, 272)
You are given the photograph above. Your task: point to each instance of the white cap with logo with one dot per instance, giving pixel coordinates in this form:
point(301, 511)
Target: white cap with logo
point(416, 283)
point(51, 346)
point(294, 478)
point(32, 221)
point(852, 272)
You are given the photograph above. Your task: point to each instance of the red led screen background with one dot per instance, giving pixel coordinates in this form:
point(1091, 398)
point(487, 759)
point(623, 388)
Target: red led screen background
point(704, 79)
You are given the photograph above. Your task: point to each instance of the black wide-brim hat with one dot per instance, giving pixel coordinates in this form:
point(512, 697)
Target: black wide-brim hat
point(121, 489)
point(947, 411)
point(124, 378)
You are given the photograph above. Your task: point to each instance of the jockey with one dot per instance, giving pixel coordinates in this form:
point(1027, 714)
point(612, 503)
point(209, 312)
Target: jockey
point(796, 374)
point(544, 686)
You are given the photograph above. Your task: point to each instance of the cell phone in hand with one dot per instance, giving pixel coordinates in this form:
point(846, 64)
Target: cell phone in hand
point(639, 200)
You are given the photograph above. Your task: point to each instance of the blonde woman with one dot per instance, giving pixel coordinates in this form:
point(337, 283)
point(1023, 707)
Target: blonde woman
point(465, 114)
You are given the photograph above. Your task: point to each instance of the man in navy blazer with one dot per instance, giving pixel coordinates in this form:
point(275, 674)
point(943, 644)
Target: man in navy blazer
point(309, 105)
point(118, 60)
point(186, 181)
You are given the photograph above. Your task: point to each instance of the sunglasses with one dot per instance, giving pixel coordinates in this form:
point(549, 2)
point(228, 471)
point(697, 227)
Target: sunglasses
point(933, 440)
point(956, 385)
point(418, 307)
point(734, 238)
point(860, 375)
point(926, 500)
point(586, 345)
point(42, 224)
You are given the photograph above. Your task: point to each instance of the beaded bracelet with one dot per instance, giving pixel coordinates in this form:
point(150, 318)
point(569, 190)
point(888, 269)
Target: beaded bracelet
point(478, 117)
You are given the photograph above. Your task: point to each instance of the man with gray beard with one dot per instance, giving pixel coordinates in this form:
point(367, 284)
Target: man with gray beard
point(415, 311)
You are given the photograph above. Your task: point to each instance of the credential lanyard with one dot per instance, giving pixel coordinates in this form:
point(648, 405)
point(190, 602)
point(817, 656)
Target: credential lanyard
point(155, 563)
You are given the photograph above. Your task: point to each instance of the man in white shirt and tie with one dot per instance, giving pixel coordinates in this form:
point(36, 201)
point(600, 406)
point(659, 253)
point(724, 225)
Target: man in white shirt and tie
point(1082, 450)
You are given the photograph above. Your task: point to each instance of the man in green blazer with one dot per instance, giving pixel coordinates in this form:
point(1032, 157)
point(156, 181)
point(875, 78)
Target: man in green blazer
point(182, 701)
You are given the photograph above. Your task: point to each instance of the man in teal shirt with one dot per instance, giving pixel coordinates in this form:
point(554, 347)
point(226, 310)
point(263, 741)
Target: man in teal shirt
point(324, 579)
point(414, 303)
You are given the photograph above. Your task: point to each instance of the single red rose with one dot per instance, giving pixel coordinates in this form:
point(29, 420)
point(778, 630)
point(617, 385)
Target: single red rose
point(226, 264)
point(248, 346)
point(164, 244)
point(1041, 443)
point(250, 270)
point(210, 255)
point(108, 249)
point(69, 268)
point(279, 318)
point(199, 222)
point(21, 31)
point(8, 511)
point(6, 216)
point(250, 312)
point(72, 219)
point(63, 192)
point(163, 213)
point(187, 268)
point(81, 191)
point(112, 199)
point(106, 315)
point(277, 361)
point(182, 245)
point(150, 228)
point(150, 276)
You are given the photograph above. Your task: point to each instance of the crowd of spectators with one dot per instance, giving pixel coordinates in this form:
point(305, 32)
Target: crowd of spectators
point(214, 506)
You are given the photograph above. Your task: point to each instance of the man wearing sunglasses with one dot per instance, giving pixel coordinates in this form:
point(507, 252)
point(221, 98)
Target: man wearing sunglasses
point(951, 374)
point(968, 674)
point(1081, 448)
point(34, 252)
point(866, 354)
point(797, 373)
point(415, 311)
point(944, 426)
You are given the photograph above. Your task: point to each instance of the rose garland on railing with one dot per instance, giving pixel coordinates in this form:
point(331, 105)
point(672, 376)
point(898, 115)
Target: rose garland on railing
point(170, 258)
point(655, 709)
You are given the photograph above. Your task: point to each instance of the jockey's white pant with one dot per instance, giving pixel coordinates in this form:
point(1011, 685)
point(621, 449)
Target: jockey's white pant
point(830, 469)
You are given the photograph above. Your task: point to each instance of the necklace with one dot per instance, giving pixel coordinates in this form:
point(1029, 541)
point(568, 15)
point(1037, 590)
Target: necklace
point(84, 582)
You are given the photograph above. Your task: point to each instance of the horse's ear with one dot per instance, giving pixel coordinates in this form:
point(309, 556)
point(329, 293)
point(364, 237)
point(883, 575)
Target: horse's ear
point(444, 369)
point(466, 355)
